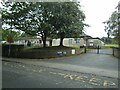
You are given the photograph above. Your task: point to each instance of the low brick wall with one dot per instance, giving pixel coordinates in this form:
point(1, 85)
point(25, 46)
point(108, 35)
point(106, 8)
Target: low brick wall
point(49, 54)
point(116, 52)
point(16, 51)
point(11, 50)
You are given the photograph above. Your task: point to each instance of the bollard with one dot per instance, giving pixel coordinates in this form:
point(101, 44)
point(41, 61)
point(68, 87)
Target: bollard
point(98, 49)
point(85, 49)
point(113, 51)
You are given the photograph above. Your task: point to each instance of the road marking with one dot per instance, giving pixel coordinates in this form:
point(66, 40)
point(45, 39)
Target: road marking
point(91, 80)
point(70, 76)
point(52, 72)
point(61, 74)
point(94, 81)
point(108, 83)
point(81, 78)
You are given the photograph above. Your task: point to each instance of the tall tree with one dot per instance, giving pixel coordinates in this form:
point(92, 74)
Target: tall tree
point(30, 17)
point(111, 25)
point(15, 16)
point(45, 19)
point(68, 20)
point(41, 19)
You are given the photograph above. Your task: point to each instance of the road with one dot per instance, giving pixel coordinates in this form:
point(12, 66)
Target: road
point(104, 60)
point(19, 75)
point(89, 70)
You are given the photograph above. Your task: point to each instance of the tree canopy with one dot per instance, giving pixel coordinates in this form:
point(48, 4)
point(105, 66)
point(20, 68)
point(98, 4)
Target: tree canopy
point(111, 25)
point(45, 19)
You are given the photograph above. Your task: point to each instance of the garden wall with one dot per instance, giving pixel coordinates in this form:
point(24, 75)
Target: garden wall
point(16, 51)
point(11, 50)
point(116, 52)
point(49, 53)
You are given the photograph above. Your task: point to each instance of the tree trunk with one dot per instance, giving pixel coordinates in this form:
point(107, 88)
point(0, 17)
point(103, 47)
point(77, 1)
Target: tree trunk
point(61, 41)
point(50, 42)
point(44, 41)
point(61, 38)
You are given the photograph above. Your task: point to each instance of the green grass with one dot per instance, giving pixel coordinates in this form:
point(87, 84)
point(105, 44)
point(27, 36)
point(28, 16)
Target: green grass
point(111, 45)
point(37, 48)
point(74, 47)
point(31, 47)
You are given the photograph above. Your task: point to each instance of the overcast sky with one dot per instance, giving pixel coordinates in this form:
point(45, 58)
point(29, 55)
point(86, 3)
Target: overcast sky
point(97, 11)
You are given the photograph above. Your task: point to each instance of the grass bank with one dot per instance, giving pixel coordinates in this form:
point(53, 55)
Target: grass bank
point(111, 45)
point(55, 48)
point(49, 52)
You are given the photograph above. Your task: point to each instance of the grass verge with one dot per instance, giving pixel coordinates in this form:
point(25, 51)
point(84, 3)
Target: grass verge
point(111, 45)
point(37, 48)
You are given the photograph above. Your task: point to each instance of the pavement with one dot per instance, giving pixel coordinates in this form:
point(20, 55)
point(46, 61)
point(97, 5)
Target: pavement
point(100, 64)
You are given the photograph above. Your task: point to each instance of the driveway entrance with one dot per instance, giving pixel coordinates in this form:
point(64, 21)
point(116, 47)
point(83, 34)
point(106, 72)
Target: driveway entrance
point(104, 51)
point(104, 60)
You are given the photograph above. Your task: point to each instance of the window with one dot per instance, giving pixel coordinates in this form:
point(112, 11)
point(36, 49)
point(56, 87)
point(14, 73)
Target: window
point(91, 44)
point(70, 41)
point(78, 41)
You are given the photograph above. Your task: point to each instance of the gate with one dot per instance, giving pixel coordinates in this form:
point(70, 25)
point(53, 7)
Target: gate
point(104, 51)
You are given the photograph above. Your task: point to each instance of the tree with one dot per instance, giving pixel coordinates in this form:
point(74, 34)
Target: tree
point(45, 19)
point(57, 19)
point(68, 20)
point(41, 19)
point(32, 18)
point(13, 18)
point(17, 16)
point(111, 26)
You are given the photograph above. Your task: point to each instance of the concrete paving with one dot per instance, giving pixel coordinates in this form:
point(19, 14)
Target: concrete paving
point(103, 64)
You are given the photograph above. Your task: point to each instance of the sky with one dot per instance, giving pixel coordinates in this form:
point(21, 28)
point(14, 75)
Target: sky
point(96, 12)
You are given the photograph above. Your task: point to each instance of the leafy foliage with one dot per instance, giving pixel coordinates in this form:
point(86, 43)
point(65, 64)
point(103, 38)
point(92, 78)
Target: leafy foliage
point(7, 33)
point(45, 19)
point(112, 25)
